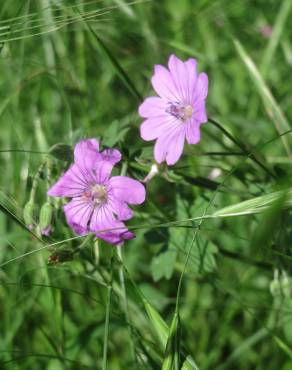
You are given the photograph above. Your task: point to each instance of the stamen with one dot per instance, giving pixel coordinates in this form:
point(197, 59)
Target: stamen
point(96, 193)
point(179, 111)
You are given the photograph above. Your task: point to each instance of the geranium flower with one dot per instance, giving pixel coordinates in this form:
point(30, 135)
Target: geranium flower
point(99, 202)
point(178, 112)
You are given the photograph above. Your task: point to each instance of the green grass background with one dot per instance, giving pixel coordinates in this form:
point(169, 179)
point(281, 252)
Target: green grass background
point(76, 69)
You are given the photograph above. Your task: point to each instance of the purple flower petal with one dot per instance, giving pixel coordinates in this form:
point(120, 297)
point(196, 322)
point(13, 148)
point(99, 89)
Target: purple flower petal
point(71, 184)
point(193, 134)
point(87, 157)
point(169, 147)
point(112, 156)
point(78, 229)
point(156, 126)
point(121, 209)
point(106, 227)
point(85, 148)
point(152, 107)
point(78, 212)
point(191, 66)
point(201, 90)
point(163, 84)
point(200, 114)
point(95, 166)
point(180, 77)
point(127, 190)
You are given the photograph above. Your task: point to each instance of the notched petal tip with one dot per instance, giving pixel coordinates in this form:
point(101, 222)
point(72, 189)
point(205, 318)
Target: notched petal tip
point(111, 155)
point(150, 128)
point(202, 86)
point(158, 67)
point(84, 147)
point(128, 190)
point(143, 109)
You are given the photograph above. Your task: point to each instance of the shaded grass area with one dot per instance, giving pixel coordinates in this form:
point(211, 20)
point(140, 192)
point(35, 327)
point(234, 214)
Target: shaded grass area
point(71, 70)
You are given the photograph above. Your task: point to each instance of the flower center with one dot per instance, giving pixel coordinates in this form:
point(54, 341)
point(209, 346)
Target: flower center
point(96, 193)
point(181, 112)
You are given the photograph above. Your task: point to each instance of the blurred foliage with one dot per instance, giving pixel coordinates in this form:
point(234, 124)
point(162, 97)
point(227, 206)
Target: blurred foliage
point(76, 69)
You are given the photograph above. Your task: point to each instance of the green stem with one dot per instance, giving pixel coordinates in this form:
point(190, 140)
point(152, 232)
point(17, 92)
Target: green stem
point(122, 282)
point(35, 181)
point(107, 315)
point(125, 301)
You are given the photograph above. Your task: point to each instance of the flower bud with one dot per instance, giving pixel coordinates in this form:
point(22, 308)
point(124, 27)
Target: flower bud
point(96, 251)
point(29, 211)
point(46, 215)
point(275, 285)
point(60, 256)
point(286, 285)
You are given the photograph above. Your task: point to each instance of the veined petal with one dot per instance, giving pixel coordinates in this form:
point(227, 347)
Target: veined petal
point(201, 90)
point(176, 147)
point(120, 209)
point(78, 212)
point(113, 156)
point(152, 107)
point(193, 134)
point(191, 67)
point(95, 166)
point(106, 227)
point(78, 229)
point(179, 74)
point(102, 169)
point(71, 184)
point(85, 148)
point(127, 190)
point(86, 157)
point(169, 146)
point(163, 84)
point(200, 114)
point(153, 127)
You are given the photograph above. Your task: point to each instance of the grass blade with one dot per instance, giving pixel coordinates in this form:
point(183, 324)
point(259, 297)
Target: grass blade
point(172, 351)
point(276, 35)
point(256, 205)
point(272, 108)
point(158, 323)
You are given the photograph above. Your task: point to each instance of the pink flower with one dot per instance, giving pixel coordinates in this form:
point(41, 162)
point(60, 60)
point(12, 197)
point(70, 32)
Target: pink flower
point(178, 112)
point(266, 31)
point(99, 202)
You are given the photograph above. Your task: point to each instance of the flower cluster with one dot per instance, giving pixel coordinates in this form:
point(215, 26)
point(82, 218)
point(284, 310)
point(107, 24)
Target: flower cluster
point(99, 202)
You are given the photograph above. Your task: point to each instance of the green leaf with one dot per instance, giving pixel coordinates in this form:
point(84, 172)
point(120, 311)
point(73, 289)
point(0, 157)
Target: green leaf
point(114, 134)
point(203, 254)
point(162, 266)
